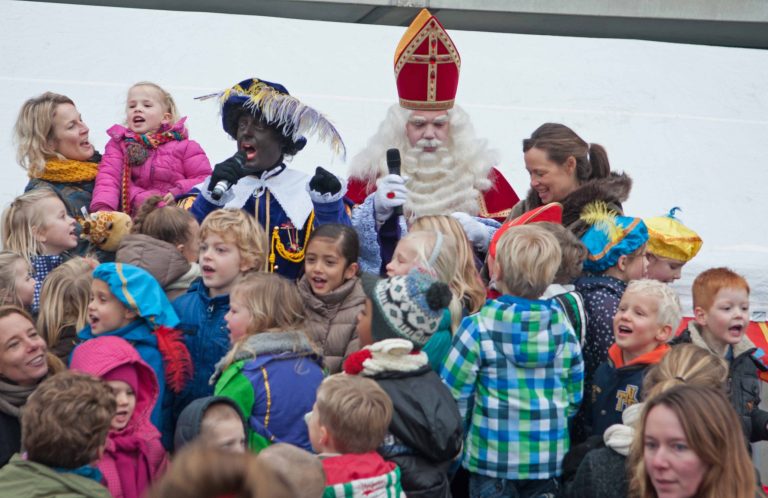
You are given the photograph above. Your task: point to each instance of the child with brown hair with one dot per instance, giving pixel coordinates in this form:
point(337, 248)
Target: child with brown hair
point(331, 292)
point(64, 430)
point(165, 241)
point(721, 317)
point(347, 424)
point(150, 155)
point(273, 369)
point(232, 244)
point(64, 305)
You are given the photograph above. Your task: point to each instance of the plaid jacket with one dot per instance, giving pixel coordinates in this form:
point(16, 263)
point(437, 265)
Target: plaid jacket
point(516, 371)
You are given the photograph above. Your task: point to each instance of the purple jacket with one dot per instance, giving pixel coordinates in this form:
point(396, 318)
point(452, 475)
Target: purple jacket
point(174, 167)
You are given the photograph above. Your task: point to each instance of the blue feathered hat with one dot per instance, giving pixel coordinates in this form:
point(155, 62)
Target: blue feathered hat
point(139, 292)
point(610, 236)
point(273, 103)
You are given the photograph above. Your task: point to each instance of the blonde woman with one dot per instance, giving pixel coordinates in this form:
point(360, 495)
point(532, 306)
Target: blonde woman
point(52, 144)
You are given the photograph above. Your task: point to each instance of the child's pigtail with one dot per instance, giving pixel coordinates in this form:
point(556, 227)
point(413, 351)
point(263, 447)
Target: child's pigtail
point(176, 358)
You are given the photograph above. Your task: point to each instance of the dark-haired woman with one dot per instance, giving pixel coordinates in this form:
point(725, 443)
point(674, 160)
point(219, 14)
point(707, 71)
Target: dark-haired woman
point(564, 168)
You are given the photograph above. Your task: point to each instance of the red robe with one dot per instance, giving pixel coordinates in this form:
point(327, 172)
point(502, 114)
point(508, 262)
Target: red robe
point(496, 203)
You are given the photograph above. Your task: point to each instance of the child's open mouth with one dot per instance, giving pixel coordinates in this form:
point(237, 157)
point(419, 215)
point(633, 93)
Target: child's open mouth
point(319, 282)
point(736, 330)
point(207, 269)
point(624, 330)
point(138, 119)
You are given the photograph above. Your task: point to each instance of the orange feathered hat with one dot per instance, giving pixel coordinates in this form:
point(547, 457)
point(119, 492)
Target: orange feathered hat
point(552, 213)
point(427, 65)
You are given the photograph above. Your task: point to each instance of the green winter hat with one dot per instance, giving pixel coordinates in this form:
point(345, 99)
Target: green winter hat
point(407, 307)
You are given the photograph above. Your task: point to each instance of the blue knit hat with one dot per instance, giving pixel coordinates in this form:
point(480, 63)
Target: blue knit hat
point(272, 103)
point(139, 292)
point(610, 236)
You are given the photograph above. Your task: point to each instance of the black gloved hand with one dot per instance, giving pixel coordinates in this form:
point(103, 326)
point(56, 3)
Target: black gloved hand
point(324, 182)
point(230, 170)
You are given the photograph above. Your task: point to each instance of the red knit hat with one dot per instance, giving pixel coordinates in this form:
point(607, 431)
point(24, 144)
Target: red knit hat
point(427, 65)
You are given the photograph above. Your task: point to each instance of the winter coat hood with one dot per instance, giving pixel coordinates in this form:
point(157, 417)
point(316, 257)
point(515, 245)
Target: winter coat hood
point(104, 354)
point(191, 419)
point(536, 347)
point(159, 258)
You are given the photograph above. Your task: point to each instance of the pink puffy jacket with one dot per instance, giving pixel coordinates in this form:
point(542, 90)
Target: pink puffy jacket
point(174, 167)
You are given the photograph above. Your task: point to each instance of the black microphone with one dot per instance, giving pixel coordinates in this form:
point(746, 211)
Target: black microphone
point(393, 165)
point(223, 185)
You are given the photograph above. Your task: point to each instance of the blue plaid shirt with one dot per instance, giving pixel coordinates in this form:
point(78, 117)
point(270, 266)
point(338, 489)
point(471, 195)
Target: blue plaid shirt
point(516, 371)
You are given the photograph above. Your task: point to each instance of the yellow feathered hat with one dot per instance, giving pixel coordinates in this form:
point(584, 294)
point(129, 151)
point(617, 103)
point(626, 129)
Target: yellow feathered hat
point(669, 238)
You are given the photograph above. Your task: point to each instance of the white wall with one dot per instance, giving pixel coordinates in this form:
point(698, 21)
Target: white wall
point(689, 123)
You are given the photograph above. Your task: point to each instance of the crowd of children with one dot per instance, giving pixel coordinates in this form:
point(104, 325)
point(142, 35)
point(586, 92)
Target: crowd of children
point(527, 371)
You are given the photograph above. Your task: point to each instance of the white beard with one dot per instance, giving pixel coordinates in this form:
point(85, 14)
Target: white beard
point(436, 184)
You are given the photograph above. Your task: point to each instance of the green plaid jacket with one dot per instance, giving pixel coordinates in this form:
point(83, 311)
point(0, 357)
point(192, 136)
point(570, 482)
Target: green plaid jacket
point(517, 374)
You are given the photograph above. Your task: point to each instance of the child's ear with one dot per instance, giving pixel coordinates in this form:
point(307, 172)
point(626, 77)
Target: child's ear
point(665, 333)
point(351, 271)
point(167, 118)
point(700, 316)
point(621, 264)
point(130, 314)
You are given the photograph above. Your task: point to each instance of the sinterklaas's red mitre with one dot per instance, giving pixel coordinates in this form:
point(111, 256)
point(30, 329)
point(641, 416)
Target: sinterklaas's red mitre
point(427, 65)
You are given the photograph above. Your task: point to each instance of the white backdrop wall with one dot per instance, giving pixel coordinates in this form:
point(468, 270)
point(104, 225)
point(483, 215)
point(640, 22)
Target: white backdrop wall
point(688, 123)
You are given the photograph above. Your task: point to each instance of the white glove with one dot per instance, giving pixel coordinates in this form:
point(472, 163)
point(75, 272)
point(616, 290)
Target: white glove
point(477, 233)
point(391, 192)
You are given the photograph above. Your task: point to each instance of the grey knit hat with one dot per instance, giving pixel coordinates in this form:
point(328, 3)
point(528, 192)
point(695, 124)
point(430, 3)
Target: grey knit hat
point(408, 307)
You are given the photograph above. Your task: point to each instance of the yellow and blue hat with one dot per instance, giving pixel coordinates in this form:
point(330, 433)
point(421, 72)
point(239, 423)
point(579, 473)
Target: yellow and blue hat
point(669, 238)
point(610, 236)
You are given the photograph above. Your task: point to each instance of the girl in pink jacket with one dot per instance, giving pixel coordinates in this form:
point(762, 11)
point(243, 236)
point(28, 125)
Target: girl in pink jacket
point(152, 156)
point(134, 455)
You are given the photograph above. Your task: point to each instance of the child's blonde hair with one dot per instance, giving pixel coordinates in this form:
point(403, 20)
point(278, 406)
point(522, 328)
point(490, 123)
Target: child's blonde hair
point(33, 132)
point(528, 257)
point(274, 303)
point(685, 364)
point(242, 229)
point(355, 411)
point(165, 99)
point(454, 264)
point(64, 299)
point(669, 310)
point(22, 220)
point(8, 293)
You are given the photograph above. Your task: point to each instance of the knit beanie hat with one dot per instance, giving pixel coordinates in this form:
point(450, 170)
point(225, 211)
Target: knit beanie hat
point(409, 307)
point(126, 373)
point(669, 238)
